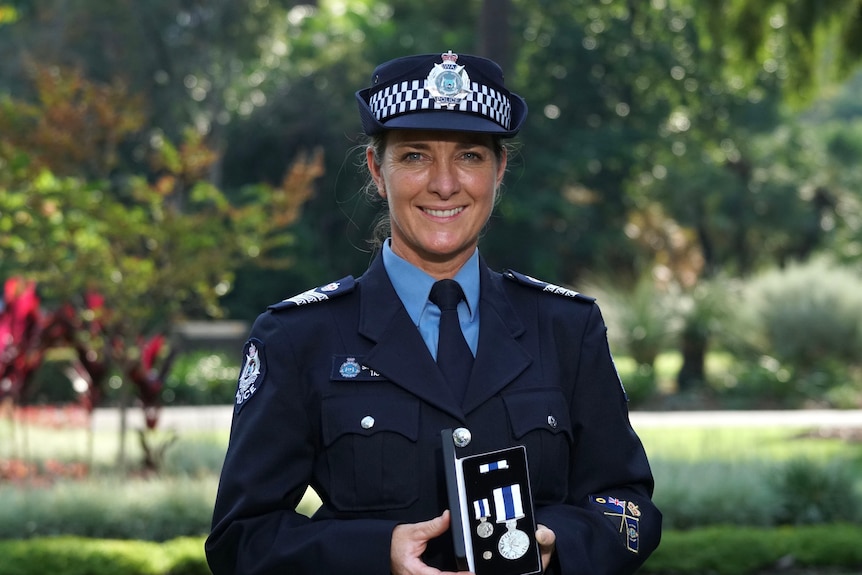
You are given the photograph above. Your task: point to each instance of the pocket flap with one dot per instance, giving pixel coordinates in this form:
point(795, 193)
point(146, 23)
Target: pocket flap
point(537, 409)
point(343, 415)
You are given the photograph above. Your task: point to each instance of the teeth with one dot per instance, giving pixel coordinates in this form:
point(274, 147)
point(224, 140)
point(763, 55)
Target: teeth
point(443, 213)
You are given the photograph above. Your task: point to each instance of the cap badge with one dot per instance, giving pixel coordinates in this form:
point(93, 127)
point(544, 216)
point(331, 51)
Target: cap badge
point(448, 83)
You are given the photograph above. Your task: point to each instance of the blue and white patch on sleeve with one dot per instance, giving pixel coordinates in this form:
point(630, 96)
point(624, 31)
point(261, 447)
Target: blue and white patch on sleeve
point(252, 374)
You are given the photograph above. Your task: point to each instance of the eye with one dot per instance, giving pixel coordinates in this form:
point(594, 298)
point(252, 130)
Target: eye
point(473, 156)
point(411, 157)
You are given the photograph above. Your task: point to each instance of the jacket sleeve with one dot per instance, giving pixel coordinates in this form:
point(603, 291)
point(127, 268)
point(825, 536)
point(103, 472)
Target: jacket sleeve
point(608, 524)
point(256, 529)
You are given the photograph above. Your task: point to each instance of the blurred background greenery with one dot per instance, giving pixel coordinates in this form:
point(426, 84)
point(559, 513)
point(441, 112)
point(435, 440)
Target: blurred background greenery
point(694, 164)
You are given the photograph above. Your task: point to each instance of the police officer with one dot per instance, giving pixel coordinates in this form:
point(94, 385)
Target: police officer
point(346, 387)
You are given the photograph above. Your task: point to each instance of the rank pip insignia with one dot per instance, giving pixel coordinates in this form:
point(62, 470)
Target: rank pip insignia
point(448, 83)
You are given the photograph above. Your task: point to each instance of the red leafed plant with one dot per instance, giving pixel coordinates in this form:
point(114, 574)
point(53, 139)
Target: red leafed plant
point(21, 326)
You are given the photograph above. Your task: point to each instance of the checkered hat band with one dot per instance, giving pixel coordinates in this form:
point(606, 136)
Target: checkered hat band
point(411, 96)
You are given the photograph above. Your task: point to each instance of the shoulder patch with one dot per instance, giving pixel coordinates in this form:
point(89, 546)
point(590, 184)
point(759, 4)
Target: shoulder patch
point(252, 374)
point(625, 516)
point(318, 294)
point(545, 286)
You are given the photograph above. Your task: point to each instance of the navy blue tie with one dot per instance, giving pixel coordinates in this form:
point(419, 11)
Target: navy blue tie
point(454, 357)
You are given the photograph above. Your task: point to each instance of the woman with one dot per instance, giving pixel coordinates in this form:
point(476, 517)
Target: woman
point(340, 390)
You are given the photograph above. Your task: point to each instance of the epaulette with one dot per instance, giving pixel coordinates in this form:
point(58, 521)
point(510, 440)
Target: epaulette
point(318, 294)
point(545, 286)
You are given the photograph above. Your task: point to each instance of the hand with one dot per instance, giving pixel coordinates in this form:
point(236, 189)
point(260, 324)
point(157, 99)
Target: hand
point(547, 544)
point(409, 541)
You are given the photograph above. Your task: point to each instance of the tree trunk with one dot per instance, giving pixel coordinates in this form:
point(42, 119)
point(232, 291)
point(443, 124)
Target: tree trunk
point(692, 374)
point(494, 32)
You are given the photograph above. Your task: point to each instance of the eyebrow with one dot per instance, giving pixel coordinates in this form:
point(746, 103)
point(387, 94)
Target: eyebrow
point(423, 144)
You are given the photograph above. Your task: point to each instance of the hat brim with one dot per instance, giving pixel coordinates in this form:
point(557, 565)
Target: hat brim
point(444, 120)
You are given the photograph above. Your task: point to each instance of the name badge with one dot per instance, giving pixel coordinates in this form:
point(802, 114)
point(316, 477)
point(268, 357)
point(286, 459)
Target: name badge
point(350, 368)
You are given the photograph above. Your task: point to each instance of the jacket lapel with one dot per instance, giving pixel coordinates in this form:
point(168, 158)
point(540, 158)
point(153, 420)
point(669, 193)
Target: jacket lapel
point(399, 352)
point(401, 356)
point(500, 358)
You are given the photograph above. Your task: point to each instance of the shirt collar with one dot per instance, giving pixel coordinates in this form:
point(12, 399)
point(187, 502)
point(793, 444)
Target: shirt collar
point(413, 285)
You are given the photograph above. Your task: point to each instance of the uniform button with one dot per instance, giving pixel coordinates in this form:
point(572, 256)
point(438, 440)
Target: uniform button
point(462, 437)
point(552, 421)
point(367, 422)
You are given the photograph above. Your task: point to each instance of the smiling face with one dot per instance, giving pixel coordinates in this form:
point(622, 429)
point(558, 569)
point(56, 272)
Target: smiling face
point(441, 188)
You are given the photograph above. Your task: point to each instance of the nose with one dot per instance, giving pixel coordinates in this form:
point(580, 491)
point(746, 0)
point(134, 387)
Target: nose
point(443, 179)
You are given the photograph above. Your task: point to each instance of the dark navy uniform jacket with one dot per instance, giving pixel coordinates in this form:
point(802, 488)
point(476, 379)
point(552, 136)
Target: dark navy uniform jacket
point(346, 398)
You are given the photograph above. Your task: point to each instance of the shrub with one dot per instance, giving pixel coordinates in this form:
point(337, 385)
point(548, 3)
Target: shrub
point(195, 456)
point(80, 556)
point(696, 494)
point(639, 319)
point(745, 551)
point(154, 510)
point(813, 493)
point(809, 317)
point(201, 378)
point(75, 556)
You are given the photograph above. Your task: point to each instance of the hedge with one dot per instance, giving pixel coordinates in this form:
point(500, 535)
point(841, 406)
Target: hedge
point(82, 556)
point(747, 550)
point(712, 550)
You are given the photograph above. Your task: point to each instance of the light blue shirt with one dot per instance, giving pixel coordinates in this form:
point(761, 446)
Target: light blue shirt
point(413, 286)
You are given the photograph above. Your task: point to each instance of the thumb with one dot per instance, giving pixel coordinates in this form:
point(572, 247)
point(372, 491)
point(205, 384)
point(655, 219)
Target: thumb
point(437, 526)
point(545, 536)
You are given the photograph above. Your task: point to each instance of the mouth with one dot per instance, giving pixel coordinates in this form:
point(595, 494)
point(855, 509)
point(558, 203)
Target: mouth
point(443, 213)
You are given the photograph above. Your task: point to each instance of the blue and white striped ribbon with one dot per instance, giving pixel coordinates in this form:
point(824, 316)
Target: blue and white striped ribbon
point(481, 508)
point(486, 467)
point(508, 504)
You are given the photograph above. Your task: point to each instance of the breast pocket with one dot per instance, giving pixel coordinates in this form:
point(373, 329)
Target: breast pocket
point(539, 419)
point(371, 451)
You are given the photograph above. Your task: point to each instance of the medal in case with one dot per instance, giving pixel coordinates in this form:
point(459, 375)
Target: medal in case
point(514, 543)
point(482, 512)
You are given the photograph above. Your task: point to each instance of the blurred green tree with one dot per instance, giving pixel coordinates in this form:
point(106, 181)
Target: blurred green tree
point(661, 137)
point(155, 248)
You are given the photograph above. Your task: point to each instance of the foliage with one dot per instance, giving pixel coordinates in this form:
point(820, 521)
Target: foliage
point(809, 320)
point(667, 138)
point(201, 378)
point(756, 493)
point(146, 509)
point(719, 550)
point(77, 125)
point(747, 551)
point(750, 476)
point(80, 556)
point(125, 257)
point(640, 319)
point(811, 494)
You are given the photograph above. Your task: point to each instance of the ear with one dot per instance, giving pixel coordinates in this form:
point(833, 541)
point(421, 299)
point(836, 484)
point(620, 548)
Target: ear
point(374, 170)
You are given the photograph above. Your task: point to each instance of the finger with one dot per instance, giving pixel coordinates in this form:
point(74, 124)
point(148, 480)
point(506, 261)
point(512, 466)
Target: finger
point(545, 537)
point(435, 527)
